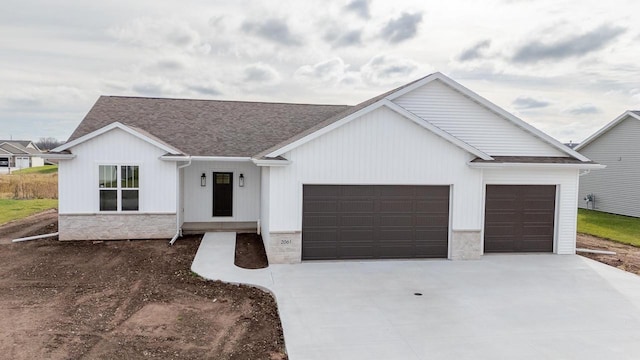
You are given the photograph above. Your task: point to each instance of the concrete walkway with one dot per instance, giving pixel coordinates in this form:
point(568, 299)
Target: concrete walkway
point(499, 307)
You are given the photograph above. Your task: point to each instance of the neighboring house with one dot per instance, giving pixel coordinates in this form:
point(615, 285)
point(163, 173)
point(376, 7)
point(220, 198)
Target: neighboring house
point(615, 189)
point(429, 169)
point(19, 154)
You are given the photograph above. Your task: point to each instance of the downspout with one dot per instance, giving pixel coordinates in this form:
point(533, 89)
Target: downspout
point(178, 229)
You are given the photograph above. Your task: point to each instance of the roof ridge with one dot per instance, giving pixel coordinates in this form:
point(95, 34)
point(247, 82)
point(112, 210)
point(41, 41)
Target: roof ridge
point(216, 100)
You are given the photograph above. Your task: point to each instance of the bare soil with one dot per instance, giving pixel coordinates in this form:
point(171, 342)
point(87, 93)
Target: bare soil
point(627, 257)
point(250, 253)
point(45, 222)
point(124, 300)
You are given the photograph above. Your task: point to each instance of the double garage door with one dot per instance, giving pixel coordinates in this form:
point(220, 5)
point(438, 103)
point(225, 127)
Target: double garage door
point(397, 221)
point(374, 221)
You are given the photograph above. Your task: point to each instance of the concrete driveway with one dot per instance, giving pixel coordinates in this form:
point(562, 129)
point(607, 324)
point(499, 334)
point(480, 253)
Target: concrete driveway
point(499, 307)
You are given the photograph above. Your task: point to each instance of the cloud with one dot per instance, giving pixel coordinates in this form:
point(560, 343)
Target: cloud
point(578, 45)
point(332, 70)
point(360, 8)
point(387, 69)
point(170, 65)
point(403, 28)
point(344, 39)
point(527, 103)
point(475, 51)
point(261, 73)
point(273, 30)
point(584, 109)
point(156, 33)
point(204, 90)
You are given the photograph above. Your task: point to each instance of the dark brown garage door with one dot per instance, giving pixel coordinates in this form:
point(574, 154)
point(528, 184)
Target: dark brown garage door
point(519, 218)
point(374, 222)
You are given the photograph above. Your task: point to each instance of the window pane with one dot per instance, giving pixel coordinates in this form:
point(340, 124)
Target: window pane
point(108, 200)
point(108, 176)
point(223, 178)
point(129, 177)
point(129, 200)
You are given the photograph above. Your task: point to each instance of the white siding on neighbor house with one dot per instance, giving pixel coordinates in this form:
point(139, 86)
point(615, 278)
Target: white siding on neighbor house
point(198, 200)
point(472, 123)
point(617, 187)
point(78, 178)
point(380, 147)
point(37, 161)
point(566, 188)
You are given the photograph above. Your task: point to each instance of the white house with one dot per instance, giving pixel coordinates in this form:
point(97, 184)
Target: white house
point(430, 169)
point(19, 154)
point(615, 189)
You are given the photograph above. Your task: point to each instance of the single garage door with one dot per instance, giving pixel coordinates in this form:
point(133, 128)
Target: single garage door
point(374, 222)
point(519, 218)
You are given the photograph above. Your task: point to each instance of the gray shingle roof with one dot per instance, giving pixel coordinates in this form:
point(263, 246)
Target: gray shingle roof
point(208, 127)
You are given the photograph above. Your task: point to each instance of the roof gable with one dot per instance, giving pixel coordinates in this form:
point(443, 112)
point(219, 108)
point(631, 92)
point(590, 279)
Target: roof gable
point(626, 115)
point(207, 127)
point(140, 134)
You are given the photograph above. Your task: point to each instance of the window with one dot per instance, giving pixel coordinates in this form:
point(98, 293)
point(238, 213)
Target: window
point(119, 187)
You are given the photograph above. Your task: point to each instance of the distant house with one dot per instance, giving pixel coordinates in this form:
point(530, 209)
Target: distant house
point(430, 169)
point(19, 154)
point(615, 189)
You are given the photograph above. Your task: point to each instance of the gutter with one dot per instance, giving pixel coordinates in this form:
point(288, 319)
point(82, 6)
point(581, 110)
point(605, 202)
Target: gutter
point(178, 229)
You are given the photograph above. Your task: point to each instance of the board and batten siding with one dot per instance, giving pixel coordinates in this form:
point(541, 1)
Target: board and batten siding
point(379, 148)
point(566, 181)
point(198, 200)
point(617, 187)
point(78, 178)
point(471, 122)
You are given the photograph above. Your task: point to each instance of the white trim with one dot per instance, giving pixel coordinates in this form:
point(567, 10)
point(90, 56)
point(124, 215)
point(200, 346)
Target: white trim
point(498, 165)
point(174, 158)
point(436, 130)
point(271, 162)
point(606, 128)
point(220, 158)
point(393, 107)
point(58, 156)
point(120, 126)
point(492, 107)
point(324, 130)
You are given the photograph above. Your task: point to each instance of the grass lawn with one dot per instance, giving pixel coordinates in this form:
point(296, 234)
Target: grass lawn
point(17, 209)
point(47, 169)
point(619, 228)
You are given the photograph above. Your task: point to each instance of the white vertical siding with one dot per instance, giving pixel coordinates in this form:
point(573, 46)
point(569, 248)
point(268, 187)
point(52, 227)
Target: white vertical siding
point(198, 200)
point(617, 187)
point(567, 188)
point(471, 122)
point(381, 147)
point(78, 178)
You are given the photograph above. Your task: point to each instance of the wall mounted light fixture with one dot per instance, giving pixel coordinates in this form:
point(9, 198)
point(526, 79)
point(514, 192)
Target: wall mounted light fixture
point(203, 180)
point(241, 180)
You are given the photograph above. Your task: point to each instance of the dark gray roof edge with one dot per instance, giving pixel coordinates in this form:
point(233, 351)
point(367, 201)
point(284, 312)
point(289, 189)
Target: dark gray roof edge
point(533, 160)
point(218, 100)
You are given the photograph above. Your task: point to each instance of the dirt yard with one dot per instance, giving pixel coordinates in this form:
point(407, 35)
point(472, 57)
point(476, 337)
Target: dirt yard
point(627, 257)
point(124, 300)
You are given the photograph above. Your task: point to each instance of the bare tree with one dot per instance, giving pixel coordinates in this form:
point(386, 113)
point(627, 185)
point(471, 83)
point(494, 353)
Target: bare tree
point(48, 143)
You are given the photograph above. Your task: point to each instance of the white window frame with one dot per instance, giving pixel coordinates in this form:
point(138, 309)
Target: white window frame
point(118, 189)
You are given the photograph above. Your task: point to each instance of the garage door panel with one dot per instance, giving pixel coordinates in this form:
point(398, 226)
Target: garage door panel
point(322, 206)
point(355, 220)
point(519, 218)
point(375, 221)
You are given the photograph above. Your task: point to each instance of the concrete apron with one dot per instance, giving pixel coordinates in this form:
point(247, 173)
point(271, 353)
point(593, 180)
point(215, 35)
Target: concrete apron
point(501, 306)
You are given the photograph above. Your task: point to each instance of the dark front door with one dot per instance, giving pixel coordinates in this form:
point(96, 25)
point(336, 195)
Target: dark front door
point(222, 194)
point(519, 218)
point(374, 222)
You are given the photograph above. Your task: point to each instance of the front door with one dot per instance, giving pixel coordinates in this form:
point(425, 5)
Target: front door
point(222, 194)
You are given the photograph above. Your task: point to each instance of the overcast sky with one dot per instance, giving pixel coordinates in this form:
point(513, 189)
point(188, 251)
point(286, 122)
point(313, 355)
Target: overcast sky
point(566, 67)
